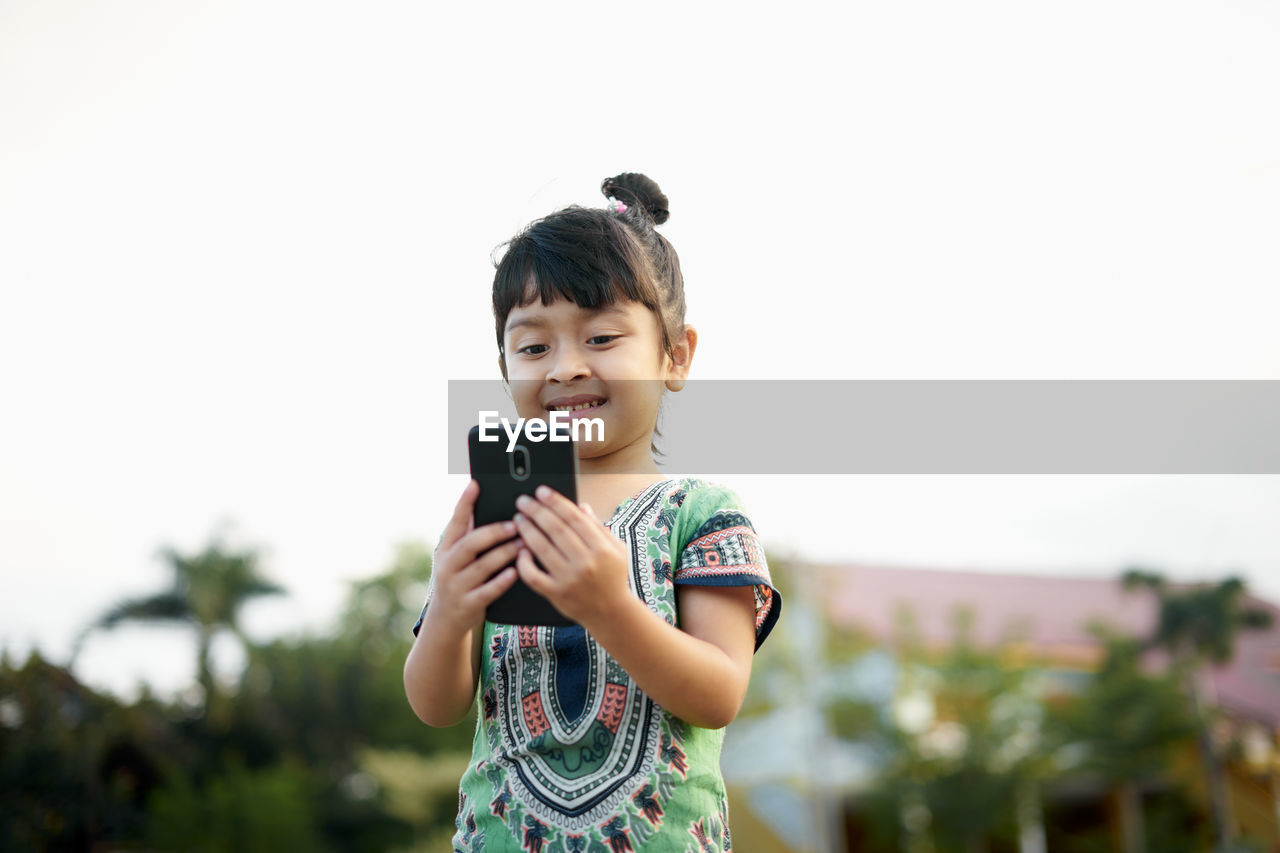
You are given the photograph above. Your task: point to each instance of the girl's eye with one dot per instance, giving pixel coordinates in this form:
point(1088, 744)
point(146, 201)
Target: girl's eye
point(529, 350)
point(603, 339)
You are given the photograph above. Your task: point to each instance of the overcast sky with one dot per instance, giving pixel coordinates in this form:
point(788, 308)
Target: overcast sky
point(243, 247)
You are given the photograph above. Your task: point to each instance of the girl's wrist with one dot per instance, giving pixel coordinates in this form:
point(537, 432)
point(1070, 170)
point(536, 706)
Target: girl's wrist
point(443, 626)
point(611, 618)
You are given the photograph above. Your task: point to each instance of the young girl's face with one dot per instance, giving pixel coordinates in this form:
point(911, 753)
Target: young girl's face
point(609, 360)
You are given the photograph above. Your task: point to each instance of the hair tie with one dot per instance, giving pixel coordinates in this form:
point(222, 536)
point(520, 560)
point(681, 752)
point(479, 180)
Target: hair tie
point(615, 206)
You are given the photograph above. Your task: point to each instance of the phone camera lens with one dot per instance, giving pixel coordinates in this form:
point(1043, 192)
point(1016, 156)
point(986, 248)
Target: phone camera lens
point(519, 461)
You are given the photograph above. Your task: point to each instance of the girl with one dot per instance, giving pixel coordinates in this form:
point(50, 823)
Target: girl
point(604, 737)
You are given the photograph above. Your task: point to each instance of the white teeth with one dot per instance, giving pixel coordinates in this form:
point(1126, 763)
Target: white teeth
point(579, 407)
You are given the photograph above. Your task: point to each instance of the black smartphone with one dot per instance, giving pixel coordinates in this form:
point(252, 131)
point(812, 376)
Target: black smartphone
point(505, 470)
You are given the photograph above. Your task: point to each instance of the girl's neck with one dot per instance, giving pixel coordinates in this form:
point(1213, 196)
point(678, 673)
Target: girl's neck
point(633, 459)
point(606, 481)
point(606, 486)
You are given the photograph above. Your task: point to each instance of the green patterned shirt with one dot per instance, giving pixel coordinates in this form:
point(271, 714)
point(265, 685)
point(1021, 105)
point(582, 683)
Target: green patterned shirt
point(569, 755)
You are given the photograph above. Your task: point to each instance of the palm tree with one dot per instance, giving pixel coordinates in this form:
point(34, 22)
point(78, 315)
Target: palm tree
point(207, 591)
point(1127, 721)
point(1197, 625)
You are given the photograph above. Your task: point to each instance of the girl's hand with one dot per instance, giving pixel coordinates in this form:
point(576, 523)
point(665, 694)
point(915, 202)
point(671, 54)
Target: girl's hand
point(464, 582)
point(586, 565)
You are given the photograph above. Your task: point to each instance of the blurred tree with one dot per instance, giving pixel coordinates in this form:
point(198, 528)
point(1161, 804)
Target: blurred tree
point(964, 750)
point(318, 750)
point(421, 790)
point(1197, 625)
point(75, 767)
point(330, 701)
point(236, 810)
point(207, 591)
point(328, 696)
point(1123, 727)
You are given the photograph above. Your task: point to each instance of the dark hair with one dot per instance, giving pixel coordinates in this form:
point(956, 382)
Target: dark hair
point(596, 256)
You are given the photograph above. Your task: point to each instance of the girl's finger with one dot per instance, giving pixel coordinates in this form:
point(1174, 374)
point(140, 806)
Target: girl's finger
point(604, 532)
point(537, 541)
point(534, 578)
point(503, 555)
point(460, 521)
point(483, 538)
point(567, 538)
point(569, 514)
point(599, 530)
point(488, 592)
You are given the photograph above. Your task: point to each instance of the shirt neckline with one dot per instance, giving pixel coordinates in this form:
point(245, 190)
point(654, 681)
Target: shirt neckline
point(637, 496)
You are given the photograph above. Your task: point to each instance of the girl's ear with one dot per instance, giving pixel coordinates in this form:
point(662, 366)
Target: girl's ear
point(681, 358)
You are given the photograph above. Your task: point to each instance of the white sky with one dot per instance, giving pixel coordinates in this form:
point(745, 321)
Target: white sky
point(244, 245)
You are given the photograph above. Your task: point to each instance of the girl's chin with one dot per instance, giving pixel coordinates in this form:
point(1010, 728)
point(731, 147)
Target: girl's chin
point(592, 449)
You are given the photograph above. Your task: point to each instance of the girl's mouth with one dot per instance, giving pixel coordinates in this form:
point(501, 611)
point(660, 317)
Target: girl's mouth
point(577, 410)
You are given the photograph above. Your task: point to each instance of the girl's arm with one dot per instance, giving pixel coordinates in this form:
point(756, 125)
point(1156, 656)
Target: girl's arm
point(441, 672)
point(442, 668)
point(700, 673)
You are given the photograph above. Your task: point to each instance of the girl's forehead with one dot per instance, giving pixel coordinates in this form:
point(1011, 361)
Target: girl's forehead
point(562, 310)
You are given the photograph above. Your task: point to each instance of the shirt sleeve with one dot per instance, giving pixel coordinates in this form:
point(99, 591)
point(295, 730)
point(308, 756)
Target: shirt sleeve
point(718, 546)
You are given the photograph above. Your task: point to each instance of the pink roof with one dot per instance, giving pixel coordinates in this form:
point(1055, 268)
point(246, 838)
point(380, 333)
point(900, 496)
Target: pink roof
point(1051, 614)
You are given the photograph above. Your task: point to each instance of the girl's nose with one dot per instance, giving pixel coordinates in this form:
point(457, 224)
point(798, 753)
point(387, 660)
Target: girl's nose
point(570, 365)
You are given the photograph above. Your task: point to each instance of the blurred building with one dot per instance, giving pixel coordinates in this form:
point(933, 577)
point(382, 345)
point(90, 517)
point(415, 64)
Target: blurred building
point(1046, 618)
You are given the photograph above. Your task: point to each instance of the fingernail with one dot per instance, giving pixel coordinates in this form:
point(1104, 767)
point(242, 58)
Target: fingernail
point(509, 527)
point(517, 519)
point(543, 492)
point(523, 500)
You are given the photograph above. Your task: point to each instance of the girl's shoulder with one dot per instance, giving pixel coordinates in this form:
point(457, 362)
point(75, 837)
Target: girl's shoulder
point(714, 543)
point(699, 503)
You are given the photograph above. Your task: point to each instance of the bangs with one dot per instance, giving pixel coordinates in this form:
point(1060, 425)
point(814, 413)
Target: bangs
point(580, 254)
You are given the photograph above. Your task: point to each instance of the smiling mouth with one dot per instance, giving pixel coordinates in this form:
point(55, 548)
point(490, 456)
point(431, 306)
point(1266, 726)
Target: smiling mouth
point(577, 407)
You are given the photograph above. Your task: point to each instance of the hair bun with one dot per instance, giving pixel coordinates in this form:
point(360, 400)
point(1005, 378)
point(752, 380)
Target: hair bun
point(633, 188)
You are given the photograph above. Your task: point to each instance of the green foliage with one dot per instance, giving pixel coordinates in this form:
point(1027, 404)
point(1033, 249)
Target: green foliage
point(964, 732)
point(420, 790)
point(323, 698)
point(1174, 824)
point(326, 701)
point(973, 732)
point(853, 720)
point(1198, 623)
point(74, 766)
point(207, 591)
point(1126, 721)
point(315, 748)
point(234, 811)
point(207, 588)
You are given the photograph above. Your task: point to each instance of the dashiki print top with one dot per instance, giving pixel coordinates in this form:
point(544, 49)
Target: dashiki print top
point(569, 755)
